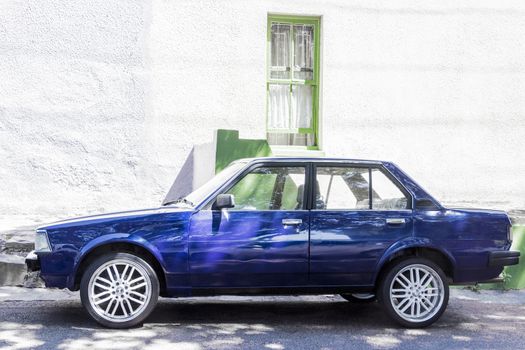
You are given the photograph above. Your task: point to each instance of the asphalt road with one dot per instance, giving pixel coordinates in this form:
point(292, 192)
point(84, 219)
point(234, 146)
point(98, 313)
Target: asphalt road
point(472, 321)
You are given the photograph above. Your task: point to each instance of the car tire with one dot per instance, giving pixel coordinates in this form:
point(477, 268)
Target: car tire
point(119, 290)
point(359, 298)
point(414, 292)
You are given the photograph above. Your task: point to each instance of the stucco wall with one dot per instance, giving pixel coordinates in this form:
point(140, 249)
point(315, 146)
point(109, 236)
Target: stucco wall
point(102, 101)
point(439, 90)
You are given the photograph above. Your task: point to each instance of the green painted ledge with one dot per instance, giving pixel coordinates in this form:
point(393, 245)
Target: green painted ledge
point(514, 276)
point(230, 147)
point(517, 272)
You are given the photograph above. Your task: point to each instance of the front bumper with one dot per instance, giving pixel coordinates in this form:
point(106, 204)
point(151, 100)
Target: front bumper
point(504, 258)
point(32, 261)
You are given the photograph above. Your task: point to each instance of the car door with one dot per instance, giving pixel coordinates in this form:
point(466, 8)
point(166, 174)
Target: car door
point(262, 241)
point(358, 212)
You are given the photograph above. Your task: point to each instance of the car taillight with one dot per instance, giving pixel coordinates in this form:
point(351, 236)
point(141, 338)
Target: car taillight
point(509, 234)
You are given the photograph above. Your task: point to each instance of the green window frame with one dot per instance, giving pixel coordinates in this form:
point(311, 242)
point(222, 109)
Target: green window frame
point(292, 81)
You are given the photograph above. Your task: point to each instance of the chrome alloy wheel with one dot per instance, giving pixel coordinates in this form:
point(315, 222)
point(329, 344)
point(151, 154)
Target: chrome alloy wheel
point(417, 293)
point(119, 290)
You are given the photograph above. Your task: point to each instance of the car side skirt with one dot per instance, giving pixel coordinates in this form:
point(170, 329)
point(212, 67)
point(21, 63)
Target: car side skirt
point(302, 290)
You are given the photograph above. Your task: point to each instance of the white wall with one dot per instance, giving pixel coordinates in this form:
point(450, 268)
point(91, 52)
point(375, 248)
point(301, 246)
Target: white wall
point(439, 90)
point(102, 101)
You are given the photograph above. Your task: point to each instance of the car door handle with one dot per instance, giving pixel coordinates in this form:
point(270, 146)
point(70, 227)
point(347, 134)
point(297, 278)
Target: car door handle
point(292, 222)
point(395, 221)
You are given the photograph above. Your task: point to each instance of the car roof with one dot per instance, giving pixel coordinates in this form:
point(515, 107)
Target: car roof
point(310, 159)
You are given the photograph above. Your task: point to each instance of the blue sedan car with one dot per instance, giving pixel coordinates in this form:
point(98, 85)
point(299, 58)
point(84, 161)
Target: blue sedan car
point(362, 229)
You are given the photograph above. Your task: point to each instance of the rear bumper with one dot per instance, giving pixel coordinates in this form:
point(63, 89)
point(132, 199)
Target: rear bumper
point(504, 258)
point(32, 261)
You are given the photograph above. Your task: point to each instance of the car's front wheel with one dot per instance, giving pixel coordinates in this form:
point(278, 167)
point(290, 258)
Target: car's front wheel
point(119, 290)
point(414, 292)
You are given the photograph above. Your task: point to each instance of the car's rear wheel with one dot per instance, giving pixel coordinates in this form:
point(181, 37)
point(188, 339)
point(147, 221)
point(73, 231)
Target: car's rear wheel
point(414, 292)
point(119, 290)
point(359, 297)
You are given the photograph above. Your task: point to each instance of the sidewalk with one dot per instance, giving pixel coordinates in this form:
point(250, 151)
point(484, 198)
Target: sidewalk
point(54, 319)
point(35, 294)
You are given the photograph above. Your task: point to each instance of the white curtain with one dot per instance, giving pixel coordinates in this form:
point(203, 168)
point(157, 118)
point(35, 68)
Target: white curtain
point(291, 139)
point(302, 106)
point(279, 106)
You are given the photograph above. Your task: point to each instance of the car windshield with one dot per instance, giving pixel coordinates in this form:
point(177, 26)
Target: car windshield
point(205, 190)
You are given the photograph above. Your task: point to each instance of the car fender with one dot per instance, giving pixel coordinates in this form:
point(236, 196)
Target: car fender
point(412, 242)
point(114, 238)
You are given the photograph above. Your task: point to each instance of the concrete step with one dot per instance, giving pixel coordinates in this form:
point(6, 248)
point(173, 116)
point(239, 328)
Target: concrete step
point(12, 270)
point(14, 246)
point(19, 245)
point(18, 242)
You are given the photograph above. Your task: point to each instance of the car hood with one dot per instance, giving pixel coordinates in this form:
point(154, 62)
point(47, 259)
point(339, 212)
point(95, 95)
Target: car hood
point(112, 216)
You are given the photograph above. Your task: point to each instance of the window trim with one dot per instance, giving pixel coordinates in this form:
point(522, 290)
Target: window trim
point(229, 184)
point(390, 176)
point(310, 176)
point(314, 83)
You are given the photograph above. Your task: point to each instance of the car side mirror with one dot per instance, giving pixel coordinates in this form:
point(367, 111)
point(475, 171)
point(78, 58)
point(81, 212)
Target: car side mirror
point(425, 204)
point(224, 201)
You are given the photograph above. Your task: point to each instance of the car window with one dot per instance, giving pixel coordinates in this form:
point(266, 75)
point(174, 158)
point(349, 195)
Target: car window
point(270, 188)
point(341, 188)
point(386, 195)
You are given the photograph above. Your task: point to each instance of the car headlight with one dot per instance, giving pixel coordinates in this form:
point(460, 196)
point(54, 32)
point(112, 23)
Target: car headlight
point(42, 242)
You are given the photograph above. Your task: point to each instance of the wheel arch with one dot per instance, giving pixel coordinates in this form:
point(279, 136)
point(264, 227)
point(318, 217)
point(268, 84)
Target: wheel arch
point(419, 248)
point(120, 245)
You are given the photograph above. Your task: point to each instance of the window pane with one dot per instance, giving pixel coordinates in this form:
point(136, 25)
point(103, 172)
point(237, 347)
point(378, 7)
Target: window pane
point(342, 188)
point(290, 139)
point(293, 189)
point(278, 106)
point(303, 52)
point(386, 195)
point(280, 51)
point(302, 106)
point(270, 188)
